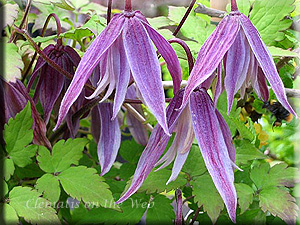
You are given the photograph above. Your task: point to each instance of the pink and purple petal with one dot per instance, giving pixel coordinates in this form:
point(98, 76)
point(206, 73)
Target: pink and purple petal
point(145, 68)
point(266, 62)
point(88, 62)
point(169, 55)
point(212, 53)
point(213, 148)
point(110, 137)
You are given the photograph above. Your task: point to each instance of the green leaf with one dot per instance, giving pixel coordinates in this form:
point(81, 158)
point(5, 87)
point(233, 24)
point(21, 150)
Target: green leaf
point(30, 171)
point(48, 185)
point(252, 216)
point(269, 18)
point(28, 204)
point(245, 196)
point(243, 6)
point(156, 182)
point(9, 214)
point(194, 164)
point(279, 52)
point(58, 3)
point(279, 203)
point(85, 184)
point(279, 175)
point(259, 174)
point(13, 62)
point(131, 151)
point(9, 168)
point(245, 151)
point(63, 155)
point(132, 211)
point(160, 211)
point(206, 195)
point(18, 134)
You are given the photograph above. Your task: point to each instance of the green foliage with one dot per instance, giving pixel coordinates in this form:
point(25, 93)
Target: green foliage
point(9, 214)
point(160, 211)
point(28, 204)
point(156, 182)
point(48, 185)
point(245, 196)
point(85, 184)
point(18, 135)
point(268, 18)
point(206, 195)
point(63, 155)
point(245, 152)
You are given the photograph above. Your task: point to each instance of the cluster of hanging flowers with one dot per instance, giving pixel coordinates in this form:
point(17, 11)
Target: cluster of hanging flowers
point(124, 54)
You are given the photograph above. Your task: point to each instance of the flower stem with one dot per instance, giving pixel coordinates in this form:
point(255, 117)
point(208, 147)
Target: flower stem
point(187, 51)
point(128, 7)
point(46, 58)
point(108, 16)
point(59, 40)
point(184, 17)
point(234, 5)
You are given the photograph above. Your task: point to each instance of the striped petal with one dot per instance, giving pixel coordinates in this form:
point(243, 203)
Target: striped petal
point(88, 63)
point(110, 137)
point(212, 53)
point(265, 61)
point(156, 145)
point(169, 55)
point(236, 67)
point(145, 68)
point(214, 150)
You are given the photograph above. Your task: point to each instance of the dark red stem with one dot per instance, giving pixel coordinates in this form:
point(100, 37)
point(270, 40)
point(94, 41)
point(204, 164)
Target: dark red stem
point(108, 17)
point(184, 17)
point(187, 51)
point(234, 5)
point(128, 7)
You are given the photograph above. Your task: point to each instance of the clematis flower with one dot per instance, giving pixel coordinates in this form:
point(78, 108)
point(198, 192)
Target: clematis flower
point(125, 48)
point(15, 98)
point(200, 119)
point(246, 59)
point(51, 84)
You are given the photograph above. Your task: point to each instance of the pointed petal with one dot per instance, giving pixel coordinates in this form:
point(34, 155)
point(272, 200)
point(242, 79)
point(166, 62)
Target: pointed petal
point(169, 55)
point(145, 68)
point(236, 67)
point(110, 138)
point(213, 148)
point(51, 88)
point(219, 87)
point(226, 135)
point(266, 62)
point(260, 85)
point(155, 147)
point(88, 62)
point(72, 55)
point(212, 53)
point(95, 123)
point(39, 64)
point(122, 78)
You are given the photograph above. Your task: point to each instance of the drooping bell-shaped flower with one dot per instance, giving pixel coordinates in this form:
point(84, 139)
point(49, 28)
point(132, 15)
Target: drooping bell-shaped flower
point(51, 85)
point(200, 119)
point(15, 99)
point(125, 48)
point(246, 59)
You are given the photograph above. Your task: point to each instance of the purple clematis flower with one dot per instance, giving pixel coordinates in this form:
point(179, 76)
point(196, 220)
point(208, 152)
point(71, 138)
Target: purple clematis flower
point(125, 48)
point(198, 119)
point(246, 60)
point(51, 84)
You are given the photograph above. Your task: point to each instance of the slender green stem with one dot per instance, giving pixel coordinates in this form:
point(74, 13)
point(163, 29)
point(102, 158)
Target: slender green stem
point(234, 5)
point(184, 17)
